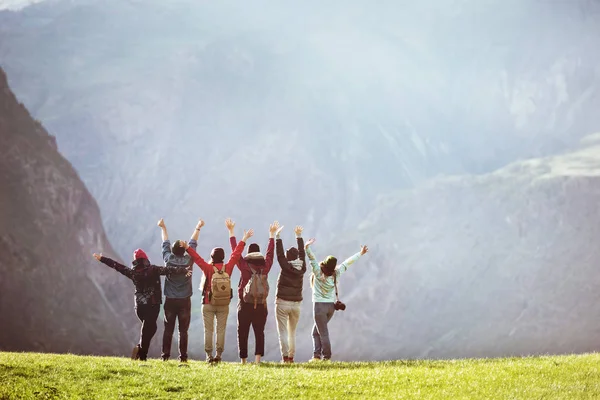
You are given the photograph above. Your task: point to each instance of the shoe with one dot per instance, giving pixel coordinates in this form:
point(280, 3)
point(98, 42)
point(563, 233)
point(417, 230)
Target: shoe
point(135, 354)
point(183, 360)
point(315, 359)
point(291, 360)
point(217, 359)
point(165, 358)
point(210, 359)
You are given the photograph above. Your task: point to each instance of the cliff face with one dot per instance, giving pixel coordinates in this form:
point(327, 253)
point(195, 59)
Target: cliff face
point(54, 295)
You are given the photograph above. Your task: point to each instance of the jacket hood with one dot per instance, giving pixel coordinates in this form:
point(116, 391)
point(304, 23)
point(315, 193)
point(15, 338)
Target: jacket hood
point(140, 263)
point(297, 264)
point(255, 258)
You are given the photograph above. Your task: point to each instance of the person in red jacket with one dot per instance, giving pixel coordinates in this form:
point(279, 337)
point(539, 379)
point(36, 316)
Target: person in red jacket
point(252, 311)
point(216, 293)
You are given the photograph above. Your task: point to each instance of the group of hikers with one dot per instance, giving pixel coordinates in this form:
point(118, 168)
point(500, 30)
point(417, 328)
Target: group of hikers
point(253, 289)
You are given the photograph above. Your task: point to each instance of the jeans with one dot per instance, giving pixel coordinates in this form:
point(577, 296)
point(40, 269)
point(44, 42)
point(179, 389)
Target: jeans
point(321, 342)
point(176, 309)
point(257, 317)
point(147, 314)
point(288, 315)
point(209, 314)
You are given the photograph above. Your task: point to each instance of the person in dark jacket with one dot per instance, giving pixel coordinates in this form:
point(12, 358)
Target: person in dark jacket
point(178, 292)
point(148, 294)
point(252, 314)
point(288, 297)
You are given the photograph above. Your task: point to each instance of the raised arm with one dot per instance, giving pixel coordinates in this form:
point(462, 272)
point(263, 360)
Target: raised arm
point(128, 272)
point(231, 229)
point(194, 238)
point(300, 244)
point(343, 267)
point(204, 266)
point(237, 253)
point(311, 256)
point(271, 247)
point(283, 262)
point(163, 229)
point(166, 244)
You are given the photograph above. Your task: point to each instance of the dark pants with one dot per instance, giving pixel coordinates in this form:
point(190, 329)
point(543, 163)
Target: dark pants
point(147, 314)
point(176, 309)
point(248, 315)
point(321, 343)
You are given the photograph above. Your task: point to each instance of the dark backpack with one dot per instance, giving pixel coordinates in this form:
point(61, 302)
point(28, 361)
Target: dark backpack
point(257, 288)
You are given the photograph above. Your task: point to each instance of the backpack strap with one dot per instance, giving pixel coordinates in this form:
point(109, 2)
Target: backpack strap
point(337, 297)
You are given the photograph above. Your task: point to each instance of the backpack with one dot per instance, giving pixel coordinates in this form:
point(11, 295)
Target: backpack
point(257, 288)
point(220, 285)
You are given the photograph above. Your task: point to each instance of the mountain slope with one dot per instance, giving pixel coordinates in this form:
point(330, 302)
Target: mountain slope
point(55, 297)
point(500, 264)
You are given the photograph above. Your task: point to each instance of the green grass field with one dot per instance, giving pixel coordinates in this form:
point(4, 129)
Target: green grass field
point(50, 376)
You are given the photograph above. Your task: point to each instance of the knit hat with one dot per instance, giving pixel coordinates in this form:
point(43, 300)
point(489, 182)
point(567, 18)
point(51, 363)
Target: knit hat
point(217, 255)
point(328, 265)
point(291, 254)
point(253, 248)
point(139, 253)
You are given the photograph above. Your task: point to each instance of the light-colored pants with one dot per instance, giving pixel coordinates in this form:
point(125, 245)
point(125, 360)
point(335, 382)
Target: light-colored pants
point(209, 314)
point(288, 315)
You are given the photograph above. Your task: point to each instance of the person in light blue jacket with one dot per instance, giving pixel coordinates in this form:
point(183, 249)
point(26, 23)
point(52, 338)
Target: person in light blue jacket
point(323, 282)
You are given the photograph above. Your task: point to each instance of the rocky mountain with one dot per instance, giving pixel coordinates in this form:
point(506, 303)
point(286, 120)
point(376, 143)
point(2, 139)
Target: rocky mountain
point(477, 266)
point(309, 113)
point(55, 297)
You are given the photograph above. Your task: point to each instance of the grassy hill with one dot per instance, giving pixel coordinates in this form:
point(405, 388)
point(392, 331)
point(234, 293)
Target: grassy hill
point(49, 376)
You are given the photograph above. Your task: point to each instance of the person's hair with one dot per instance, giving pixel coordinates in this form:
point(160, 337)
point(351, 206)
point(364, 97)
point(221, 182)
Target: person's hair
point(253, 248)
point(328, 265)
point(291, 254)
point(217, 255)
point(178, 249)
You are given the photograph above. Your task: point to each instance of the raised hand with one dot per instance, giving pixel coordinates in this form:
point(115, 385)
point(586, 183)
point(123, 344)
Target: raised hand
point(309, 242)
point(229, 224)
point(97, 256)
point(364, 250)
point(200, 224)
point(189, 271)
point(161, 223)
point(273, 227)
point(184, 244)
point(248, 234)
point(279, 229)
point(298, 230)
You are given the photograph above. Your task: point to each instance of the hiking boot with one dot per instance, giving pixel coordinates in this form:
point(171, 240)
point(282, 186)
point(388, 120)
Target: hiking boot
point(183, 359)
point(165, 358)
point(290, 360)
point(210, 359)
point(285, 360)
point(217, 359)
point(135, 354)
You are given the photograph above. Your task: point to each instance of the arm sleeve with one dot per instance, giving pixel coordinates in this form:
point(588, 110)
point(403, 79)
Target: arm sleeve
point(343, 267)
point(166, 250)
point(301, 253)
point(193, 244)
point(232, 242)
point(270, 255)
point(312, 259)
point(204, 266)
point(116, 266)
point(235, 257)
point(283, 262)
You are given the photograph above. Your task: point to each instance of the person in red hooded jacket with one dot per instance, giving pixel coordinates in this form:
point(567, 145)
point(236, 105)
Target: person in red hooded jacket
point(212, 311)
point(148, 294)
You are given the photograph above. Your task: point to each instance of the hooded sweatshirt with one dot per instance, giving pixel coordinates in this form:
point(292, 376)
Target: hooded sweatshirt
point(177, 286)
point(254, 261)
point(289, 282)
point(208, 270)
point(145, 277)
